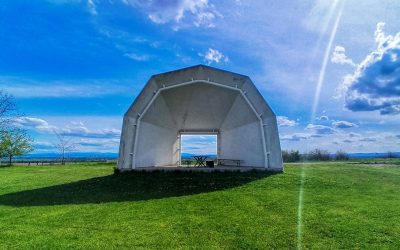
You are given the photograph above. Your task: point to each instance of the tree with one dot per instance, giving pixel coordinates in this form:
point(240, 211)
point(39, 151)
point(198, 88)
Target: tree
point(341, 155)
point(290, 156)
point(7, 109)
point(318, 155)
point(391, 155)
point(14, 142)
point(63, 144)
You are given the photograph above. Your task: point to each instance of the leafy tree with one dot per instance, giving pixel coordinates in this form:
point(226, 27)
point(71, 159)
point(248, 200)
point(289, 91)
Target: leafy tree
point(14, 142)
point(341, 155)
point(290, 156)
point(318, 155)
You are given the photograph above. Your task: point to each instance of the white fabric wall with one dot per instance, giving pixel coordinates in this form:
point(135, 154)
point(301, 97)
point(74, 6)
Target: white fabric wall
point(243, 143)
point(155, 146)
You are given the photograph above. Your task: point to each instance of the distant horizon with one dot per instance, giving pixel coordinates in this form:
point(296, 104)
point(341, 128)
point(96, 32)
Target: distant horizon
point(115, 154)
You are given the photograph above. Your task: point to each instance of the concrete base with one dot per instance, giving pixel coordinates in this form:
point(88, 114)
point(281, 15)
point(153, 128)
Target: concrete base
point(203, 169)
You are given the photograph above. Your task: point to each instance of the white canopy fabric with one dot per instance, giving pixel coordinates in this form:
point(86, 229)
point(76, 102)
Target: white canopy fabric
point(199, 99)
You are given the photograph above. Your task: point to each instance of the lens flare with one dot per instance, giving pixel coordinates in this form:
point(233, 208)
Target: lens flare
point(320, 82)
point(300, 209)
point(325, 60)
point(325, 23)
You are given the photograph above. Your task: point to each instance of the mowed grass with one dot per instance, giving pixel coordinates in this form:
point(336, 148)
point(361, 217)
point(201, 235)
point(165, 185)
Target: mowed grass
point(86, 206)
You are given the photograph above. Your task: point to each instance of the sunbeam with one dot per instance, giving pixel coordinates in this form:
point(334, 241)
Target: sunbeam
point(325, 23)
point(320, 82)
point(322, 72)
point(300, 210)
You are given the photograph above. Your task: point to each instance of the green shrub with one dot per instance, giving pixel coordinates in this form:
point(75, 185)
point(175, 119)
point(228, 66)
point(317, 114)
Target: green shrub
point(341, 156)
point(318, 155)
point(290, 156)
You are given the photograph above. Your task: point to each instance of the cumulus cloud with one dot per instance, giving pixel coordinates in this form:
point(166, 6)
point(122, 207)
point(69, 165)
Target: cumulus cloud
point(34, 123)
point(320, 129)
point(343, 124)
point(199, 13)
point(339, 56)
point(284, 121)
point(295, 137)
point(213, 55)
point(31, 122)
point(315, 131)
point(375, 84)
point(323, 118)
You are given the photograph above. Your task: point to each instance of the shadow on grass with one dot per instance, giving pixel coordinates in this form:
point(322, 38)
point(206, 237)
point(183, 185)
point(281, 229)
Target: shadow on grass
point(131, 186)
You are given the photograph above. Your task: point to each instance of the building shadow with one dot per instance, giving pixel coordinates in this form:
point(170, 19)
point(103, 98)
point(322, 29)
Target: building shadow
point(131, 186)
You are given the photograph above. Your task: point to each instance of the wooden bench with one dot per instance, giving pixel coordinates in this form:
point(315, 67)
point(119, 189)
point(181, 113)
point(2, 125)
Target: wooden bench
point(224, 162)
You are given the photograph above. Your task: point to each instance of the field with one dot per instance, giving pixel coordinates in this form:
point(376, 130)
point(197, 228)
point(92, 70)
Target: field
point(85, 206)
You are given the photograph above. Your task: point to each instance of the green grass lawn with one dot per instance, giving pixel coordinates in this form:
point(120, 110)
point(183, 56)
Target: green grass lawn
point(344, 205)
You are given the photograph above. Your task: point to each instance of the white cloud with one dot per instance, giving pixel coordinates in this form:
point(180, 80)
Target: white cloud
point(367, 141)
point(213, 55)
point(374, 85)
point(91, 7)
point(84, 132)
point(343, 124)
point(320, 129)
point(19, 87)
point(136, 57)
point(295, 137)
point(195, 144)
point(199, 13)
point(339, 56)
point(284, 121)
point(34, 123)
point(323, 118)
point(31, 122)
point(74, 129)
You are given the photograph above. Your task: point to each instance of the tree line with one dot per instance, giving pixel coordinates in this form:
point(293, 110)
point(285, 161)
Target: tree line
point(314, 155)
point(321, 155)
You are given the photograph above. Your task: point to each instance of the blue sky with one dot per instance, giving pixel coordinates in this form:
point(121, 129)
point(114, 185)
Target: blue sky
point(329, 69)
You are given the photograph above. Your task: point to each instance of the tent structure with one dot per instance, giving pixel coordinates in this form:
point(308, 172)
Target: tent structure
point(199, 100)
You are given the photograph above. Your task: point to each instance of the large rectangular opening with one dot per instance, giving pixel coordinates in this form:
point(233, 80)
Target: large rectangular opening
point(198, 145)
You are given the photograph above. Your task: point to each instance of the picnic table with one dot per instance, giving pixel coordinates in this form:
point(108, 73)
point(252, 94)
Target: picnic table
point(200, 160)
